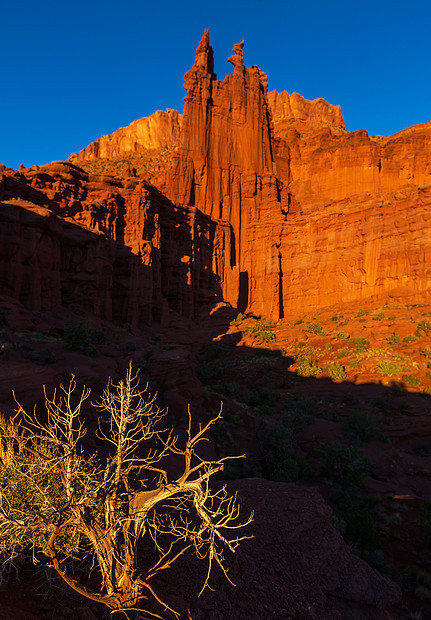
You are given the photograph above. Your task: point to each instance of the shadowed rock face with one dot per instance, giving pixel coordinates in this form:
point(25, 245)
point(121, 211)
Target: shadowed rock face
point(110, 249)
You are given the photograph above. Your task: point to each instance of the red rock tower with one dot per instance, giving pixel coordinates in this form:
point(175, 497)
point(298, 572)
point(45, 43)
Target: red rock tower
point(224, 168)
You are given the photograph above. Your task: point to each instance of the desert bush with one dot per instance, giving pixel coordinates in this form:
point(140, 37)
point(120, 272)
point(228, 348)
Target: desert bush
point(264, 396)
point(409, 338)
point(340, 335)
point(411, 380)
point(342, 353)
point(58, 503)
point(299, 413)
point(379, 315)
point(80, 336)
point(342, 465)
point(216, 350)
point(426, 352)
point(314, 328)
point(209, 371)
point(393, 338)
point(361, 312)
point(277, 457)
point(337, 372)
point(388, 368)
point(362, 425)
point(239, 318)
point(361, 343)
point(357, 519)
point(261, 330)
point(308, 367)
point(423, 327)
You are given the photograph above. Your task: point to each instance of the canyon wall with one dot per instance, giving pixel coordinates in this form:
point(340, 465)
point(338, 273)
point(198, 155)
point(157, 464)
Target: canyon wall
point(114, 250)
point(152, 133)
point(285, 107)
point(266, 202)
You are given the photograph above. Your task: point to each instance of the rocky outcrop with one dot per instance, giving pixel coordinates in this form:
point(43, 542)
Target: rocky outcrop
point(358, 248)
point(326, 163)
point(153, 133)
point(286, 107)
point(224, 167)
point(109, 249)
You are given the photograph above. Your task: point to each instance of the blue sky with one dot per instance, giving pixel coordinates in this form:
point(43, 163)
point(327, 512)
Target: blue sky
point(73, 71)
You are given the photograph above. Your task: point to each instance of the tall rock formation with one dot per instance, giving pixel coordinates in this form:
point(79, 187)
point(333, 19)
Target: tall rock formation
point(268, 203)
point(224, 167)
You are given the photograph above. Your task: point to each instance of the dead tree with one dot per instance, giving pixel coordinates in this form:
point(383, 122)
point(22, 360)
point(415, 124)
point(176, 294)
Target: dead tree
point(63, 504)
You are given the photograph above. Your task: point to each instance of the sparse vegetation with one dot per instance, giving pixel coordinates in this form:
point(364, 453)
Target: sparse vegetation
point(261, 329)
point(411, 380)
point(388, 368)
point(342, 465)
point(393, 338)
point(314, 328)
point(337, 372)
point(361, 343)
point(340, 335)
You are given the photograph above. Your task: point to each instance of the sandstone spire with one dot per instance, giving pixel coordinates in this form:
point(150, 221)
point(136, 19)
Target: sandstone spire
point(224, 168)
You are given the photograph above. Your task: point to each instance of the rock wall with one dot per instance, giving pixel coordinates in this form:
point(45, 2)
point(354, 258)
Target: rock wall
point(323, 163)
point(285, 107)
point(111, 249)
point(356, 249)
point(152, 133)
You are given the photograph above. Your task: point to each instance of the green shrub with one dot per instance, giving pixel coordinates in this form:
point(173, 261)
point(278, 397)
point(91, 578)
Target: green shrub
point(216, 350)
point(357, 523)
point(314, 328)
point(426, 352)
point(340, 335)
point(361, 343)
point(208, 371)
point(379, 316)
point(361, 312)
point(239, 318)
point(80, 336)
point(362, 425)
point(308, 368)
point(389, 368)
point(266, 395)
point(353, 363)
point(410, 338)
point(261, 329)
point(228, 388)
point(342, 465)
point(411, 380)
point(277, 457)
point(299, 413)
point(393, 338)
point(337, 372)
point(425, 520)
point(342, 353)
point(424, 326)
